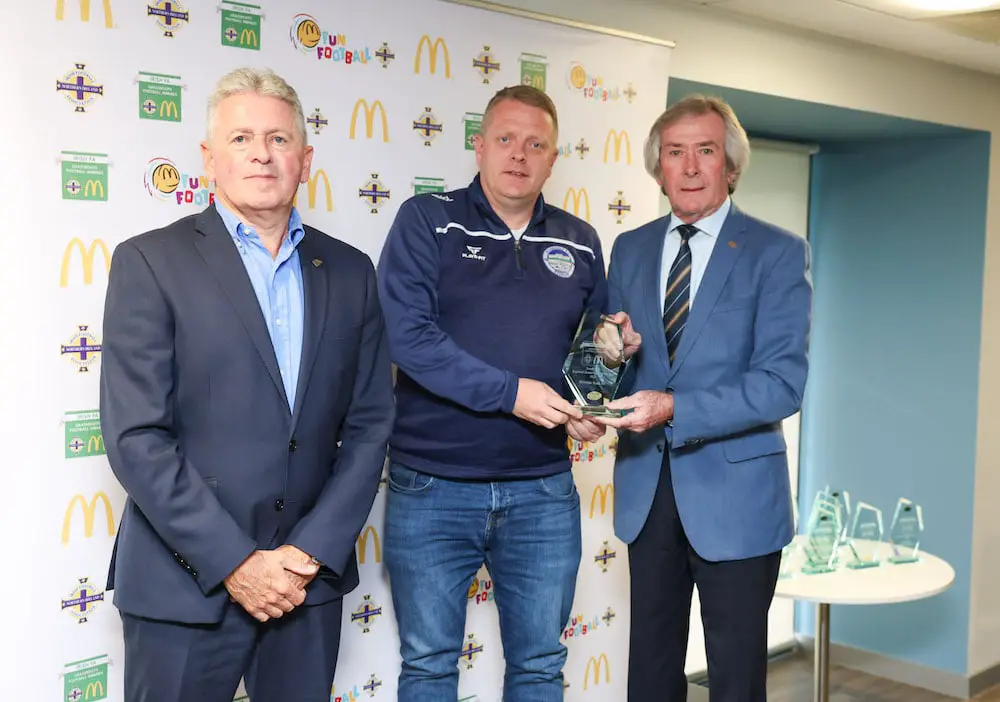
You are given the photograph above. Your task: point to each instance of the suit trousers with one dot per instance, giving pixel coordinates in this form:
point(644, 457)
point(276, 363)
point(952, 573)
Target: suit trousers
point(734, 595)
point(290, 659)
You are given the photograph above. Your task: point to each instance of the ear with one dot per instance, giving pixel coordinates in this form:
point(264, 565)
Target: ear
point(477, 145)
point(207, 161)
point(307, 159)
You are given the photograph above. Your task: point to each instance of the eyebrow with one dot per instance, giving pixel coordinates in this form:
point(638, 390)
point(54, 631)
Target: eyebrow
point(700, 143)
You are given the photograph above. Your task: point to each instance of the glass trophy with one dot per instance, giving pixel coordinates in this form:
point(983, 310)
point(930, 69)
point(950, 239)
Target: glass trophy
point(823, 535)
point(790, 551)
point(865, 536)
point(595, 364)
point(843, 500)
point(904, 534)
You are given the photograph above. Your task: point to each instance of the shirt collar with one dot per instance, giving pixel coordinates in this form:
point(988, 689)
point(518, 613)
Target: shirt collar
point(238, 230)
point(710, 225)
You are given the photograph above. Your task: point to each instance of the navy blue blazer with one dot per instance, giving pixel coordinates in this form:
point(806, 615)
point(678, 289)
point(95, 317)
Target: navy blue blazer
point(197, 425)
point(740, 369)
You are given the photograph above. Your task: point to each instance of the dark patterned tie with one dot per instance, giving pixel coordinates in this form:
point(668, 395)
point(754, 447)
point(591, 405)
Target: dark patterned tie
point(677, 300)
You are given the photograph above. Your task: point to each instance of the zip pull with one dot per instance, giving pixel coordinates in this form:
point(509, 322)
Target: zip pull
point(517, 250)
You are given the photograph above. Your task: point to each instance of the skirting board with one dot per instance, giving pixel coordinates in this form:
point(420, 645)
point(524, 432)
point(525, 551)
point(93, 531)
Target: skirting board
point(942, 682)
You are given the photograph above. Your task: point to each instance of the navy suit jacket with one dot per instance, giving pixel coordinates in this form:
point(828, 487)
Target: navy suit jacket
point(740, 369)
point(198, 429)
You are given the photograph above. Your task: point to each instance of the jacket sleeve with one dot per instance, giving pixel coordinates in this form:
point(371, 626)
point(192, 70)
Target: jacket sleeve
point(139, 427)
point(408, 283)
point(772, 387)
point(617, 303)
point(330, 530)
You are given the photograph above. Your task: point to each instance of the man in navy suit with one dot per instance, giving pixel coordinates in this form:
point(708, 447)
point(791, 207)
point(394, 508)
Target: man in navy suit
point(722, 302)
point(246, 403)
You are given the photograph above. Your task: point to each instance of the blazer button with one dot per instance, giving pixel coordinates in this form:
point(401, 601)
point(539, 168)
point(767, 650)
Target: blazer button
point(292, 445)
point(279, 505)
point(659, 447)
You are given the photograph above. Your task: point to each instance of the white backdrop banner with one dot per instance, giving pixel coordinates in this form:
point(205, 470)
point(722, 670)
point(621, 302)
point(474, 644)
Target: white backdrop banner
point(114, 109)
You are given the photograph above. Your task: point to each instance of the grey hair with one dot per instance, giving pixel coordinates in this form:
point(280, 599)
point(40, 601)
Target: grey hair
point(737, 146)
point(263, 82)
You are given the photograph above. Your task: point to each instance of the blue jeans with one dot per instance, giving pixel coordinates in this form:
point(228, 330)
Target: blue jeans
point(438, 533)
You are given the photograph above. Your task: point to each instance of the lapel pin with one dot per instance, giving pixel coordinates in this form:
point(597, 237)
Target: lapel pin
point(317, 262)
point(732, 244)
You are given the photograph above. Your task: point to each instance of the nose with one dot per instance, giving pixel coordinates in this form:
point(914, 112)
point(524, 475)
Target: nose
point(259, 150)
point(517, 151)
point(691, 164)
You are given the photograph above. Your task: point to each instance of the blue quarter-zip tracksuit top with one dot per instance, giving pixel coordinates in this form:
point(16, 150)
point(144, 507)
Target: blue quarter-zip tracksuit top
point(470, 309)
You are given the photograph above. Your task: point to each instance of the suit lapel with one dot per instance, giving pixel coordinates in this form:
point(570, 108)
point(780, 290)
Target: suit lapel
point(217, 248)
point(315, 295)
point(724, 255)
point(650, 281)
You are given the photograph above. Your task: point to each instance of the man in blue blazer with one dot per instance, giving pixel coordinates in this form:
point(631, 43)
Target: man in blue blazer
point(246, 403)
point(722, 302)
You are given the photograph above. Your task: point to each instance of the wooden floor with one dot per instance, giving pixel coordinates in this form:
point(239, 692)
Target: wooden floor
point(790, 679)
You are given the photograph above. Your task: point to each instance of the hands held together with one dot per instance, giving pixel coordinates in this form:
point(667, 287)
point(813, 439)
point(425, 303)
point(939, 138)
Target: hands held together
point(269, 584)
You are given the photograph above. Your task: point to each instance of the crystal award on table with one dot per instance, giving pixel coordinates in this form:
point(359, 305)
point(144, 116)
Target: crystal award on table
point(904, 534)
point(823, 534)
point(595, 364)
point(787, 567)
point(842, 498)
point(864, 536)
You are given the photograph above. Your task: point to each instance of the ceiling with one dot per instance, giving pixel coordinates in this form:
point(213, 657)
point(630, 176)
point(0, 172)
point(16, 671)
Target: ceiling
point(969, 39)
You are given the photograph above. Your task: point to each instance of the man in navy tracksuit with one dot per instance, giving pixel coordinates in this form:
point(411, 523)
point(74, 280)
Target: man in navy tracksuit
point(483, 289)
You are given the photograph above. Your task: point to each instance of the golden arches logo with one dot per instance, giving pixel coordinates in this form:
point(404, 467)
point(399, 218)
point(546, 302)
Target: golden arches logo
point(94, 691)
point(602, 492)
point(432, 49)
point(363, 545)
point(248, 37)
point(369, 118)
point(311, 186)
point(89, 512)
point(87, 259)
point(596, 663)
point(85, 11)
point(618, 138)
point(577, 196)
point(168, 109)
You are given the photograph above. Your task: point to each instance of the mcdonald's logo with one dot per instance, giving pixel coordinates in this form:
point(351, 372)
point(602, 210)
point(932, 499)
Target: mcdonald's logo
point(596, 663)
point(363, 545)
point(87, 257)
point(85, 11)
point(94, 691)
point(89, 511)
point(601, 491)
point(432, 50)
point(369, 118)
point(93, 189)
point(618, 137)
point(168, 110)
point(576, 196)
point(311, 186)
point(95, 445)
point(248, 37)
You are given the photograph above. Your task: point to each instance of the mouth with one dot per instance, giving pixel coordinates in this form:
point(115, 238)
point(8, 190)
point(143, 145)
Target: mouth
point(516, 173)
point(692, 190)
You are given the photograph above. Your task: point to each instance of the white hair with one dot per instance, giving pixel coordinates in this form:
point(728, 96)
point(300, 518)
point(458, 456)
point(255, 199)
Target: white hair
point(737, 146)
point(263, 82)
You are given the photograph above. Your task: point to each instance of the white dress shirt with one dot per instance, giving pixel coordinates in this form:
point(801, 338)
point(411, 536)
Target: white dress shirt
point(702, 244)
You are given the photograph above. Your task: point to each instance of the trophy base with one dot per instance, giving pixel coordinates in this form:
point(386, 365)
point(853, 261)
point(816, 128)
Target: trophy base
point(600, 411)
point(901, 560)
point(817, 569)
point(859, 565)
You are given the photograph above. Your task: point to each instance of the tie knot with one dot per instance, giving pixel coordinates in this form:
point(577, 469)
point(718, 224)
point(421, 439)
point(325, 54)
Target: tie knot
point(687, 231)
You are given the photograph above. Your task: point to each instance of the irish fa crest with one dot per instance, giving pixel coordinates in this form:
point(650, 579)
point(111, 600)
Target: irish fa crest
point(486, 65)
point(373, 193)
point(169, 15)
point(365, 615)
point(470, 651)
point(604, 556)
point(427, 126)
point(385, 55)
point(619, 207)
point(79, 88)
point(82, 600)
point(317, 121)
point(83, 348)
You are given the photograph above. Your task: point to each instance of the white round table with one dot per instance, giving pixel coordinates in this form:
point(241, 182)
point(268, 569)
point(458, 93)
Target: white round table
point(883, 584)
